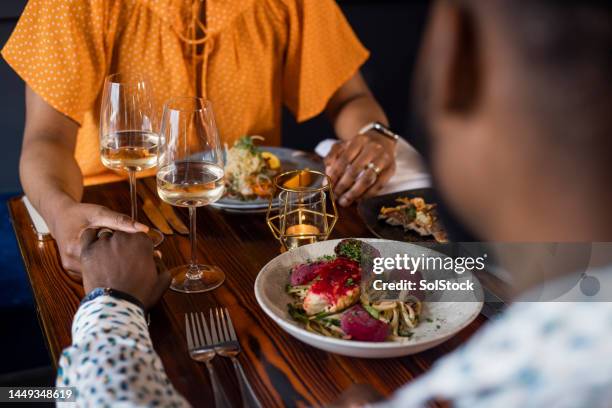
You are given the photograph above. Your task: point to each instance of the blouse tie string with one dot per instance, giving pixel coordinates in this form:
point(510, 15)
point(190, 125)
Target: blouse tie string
point(192, 41)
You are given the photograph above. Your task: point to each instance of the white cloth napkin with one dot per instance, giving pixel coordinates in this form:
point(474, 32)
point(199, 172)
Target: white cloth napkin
point(410, 173)
point(37, 220)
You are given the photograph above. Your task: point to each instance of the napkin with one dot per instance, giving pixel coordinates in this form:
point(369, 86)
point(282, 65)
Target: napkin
point(409, 174)
point(38, 222)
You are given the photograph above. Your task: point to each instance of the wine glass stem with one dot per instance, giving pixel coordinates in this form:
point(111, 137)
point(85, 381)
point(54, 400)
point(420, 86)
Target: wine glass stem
point(132, 178)
point(193, 272)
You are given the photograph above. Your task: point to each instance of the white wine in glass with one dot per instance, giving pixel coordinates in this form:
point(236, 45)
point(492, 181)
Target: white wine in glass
point(128, 141)
point(191, 174)
point(130, 150)
point(190, 184)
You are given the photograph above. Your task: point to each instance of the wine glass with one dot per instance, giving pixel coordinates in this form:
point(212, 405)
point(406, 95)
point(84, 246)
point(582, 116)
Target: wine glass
point(190, 174)
point(127, 137)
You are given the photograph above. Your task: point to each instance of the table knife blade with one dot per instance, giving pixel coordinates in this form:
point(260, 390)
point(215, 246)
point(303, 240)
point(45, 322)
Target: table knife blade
point(166, 209)
point(154, 215)
point(493, 305)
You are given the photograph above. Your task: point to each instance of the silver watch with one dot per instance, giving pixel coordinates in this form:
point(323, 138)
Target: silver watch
point(381, 129)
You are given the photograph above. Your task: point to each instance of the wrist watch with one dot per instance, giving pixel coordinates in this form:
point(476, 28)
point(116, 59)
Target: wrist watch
point(117, 294)
point(381, 129)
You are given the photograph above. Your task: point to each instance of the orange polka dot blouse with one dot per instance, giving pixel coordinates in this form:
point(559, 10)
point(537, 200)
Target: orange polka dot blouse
point(249, 57)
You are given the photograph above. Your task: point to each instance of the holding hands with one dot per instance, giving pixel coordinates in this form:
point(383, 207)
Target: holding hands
point(71, 222)
point(123, 262)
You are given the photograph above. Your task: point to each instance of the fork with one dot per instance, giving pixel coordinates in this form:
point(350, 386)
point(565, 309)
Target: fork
point(227, 345)
point(202, 349)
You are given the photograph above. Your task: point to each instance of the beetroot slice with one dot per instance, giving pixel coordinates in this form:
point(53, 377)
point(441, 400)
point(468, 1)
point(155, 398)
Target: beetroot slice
point(357, 323)
point(304, 273)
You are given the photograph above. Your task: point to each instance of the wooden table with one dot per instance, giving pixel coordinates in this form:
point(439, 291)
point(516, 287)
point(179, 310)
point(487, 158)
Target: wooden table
point(283, 371)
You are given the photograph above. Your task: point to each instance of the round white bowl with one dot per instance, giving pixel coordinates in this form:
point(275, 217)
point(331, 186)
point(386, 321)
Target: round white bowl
point(447, 318)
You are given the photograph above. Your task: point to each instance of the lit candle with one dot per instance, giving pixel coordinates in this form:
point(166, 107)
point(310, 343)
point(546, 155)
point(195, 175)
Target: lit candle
point(300, 234)
point(302, 229)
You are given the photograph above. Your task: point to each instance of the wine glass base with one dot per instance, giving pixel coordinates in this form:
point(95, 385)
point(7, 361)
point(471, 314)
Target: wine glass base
point(210, 277)
point(156, 236)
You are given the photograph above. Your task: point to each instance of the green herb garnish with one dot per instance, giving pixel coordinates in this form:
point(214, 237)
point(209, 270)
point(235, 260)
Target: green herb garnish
point(246, 143)
point(350, 248)
point(373, 312)
point(297, 313)
point(405, 333)
point(321, 315)
point(411, 212)
point(326, 258)
point(334, 322)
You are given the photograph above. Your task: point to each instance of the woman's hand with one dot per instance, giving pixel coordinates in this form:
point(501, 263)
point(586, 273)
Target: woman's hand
point(352, 175)
point(72, 219)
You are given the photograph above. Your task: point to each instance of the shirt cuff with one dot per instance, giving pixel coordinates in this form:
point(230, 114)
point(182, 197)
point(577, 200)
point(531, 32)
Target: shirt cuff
point(107, 314)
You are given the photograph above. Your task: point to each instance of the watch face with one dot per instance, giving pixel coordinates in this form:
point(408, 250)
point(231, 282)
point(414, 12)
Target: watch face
point(93, 294)
point(98, 292)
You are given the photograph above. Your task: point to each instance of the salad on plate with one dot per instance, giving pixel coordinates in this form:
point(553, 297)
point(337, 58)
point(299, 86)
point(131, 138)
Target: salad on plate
point(249, 170)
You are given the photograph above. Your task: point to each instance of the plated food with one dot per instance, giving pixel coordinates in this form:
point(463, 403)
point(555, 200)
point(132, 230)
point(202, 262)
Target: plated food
point(409, 216)
point(328, 300)
point(250, 170)
point(437, 321)
point(415, 214)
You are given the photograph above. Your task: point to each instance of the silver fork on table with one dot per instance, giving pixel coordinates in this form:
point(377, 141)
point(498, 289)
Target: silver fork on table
point(202, 349)
point(227, 345)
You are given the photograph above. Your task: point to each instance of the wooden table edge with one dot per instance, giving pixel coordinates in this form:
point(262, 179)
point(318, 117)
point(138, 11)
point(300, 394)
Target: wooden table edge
point(14, 201)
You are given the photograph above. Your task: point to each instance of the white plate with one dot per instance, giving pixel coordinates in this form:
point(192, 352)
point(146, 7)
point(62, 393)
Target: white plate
point(290, 160)
point(448, 318)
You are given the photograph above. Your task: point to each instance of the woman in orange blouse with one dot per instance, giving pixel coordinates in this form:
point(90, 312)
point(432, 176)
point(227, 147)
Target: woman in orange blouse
point(247, 56)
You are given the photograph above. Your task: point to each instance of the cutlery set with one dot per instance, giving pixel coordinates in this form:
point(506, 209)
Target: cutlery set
point(204, 344)
point(160, 213)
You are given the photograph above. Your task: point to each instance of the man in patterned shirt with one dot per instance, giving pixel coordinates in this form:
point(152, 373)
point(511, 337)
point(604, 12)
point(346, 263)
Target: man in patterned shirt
point(516, 97)
point(516, 100)
point(111, 361)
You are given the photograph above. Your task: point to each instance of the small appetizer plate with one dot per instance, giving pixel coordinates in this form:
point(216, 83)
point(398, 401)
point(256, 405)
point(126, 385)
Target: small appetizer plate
point(369, 209)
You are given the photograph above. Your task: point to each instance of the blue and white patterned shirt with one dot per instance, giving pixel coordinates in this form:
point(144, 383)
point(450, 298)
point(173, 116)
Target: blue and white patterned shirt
point(537, 354)
point(111, 362)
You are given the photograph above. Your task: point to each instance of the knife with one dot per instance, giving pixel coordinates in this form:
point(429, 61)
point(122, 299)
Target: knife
point(151, 211)
point(493, 305)
point(166, 209)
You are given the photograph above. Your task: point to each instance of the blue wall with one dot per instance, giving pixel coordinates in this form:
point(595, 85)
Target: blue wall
point(11, 104)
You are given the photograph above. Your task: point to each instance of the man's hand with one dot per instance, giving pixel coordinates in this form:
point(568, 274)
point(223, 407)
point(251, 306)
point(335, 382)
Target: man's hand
point(347, 166)
point(123, 262)
point(73, 219)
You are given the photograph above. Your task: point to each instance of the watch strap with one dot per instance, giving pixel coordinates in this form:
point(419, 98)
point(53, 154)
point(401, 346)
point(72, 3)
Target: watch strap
point(117, 294)
point(380, 129)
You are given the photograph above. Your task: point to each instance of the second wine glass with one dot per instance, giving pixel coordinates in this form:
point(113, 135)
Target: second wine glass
point(190, 174)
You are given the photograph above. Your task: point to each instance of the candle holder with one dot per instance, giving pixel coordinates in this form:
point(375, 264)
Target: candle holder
point(306, 210)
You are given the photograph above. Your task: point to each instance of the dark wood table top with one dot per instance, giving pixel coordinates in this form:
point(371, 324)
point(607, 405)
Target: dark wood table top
point(283, 371)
